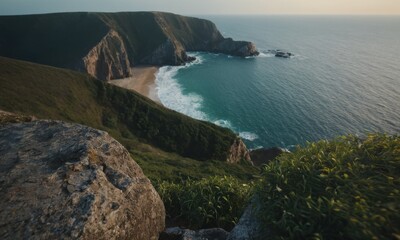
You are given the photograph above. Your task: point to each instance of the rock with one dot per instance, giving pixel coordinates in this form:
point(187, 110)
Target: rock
point(168, 53)
point(236, 48)
point(67, 181)
point(108, 45)
point(264, 155)
point(238, 153)
point(249, 227)
point(108, 59)
point(281, 54)
point(177, 233)
point(7, 118)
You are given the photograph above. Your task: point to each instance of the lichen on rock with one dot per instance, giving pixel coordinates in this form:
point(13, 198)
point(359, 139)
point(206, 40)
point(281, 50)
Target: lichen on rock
point(68, 181)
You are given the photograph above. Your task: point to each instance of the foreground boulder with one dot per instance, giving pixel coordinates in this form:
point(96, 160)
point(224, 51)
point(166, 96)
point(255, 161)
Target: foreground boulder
point(68, 181)
point(249, 226)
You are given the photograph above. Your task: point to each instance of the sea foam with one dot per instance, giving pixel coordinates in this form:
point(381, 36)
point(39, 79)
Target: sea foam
point(170, 92)
point(248, 136)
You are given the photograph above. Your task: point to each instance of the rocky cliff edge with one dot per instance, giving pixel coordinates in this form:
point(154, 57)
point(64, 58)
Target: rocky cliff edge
point(68, 181)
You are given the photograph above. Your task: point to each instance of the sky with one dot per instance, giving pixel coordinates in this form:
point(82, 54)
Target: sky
point(199, 7)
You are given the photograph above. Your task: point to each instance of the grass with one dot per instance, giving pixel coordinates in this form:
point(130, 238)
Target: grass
point(347, 188)
point(165, 143)
point(209, 202)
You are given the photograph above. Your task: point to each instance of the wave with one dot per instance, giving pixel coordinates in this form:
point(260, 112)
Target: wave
point(171, 95)
point(265, 55)
point(170, 92)
point(248, 136)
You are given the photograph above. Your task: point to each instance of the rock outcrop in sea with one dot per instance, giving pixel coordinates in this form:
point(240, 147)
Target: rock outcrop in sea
point(68, 181)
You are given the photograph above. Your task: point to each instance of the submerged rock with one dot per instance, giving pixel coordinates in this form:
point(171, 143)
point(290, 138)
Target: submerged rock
point(281, 54)
point(67, 181)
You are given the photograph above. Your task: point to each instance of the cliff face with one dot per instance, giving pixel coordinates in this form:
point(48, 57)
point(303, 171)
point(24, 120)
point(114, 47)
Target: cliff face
point(108, 59)
point(68, 181)
point(238, 152)
point(107, 45)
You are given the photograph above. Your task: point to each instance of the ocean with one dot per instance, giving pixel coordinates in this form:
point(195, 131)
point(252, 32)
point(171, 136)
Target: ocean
point(343, 79)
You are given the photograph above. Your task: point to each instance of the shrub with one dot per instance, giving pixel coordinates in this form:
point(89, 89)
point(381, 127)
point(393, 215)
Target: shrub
point(210, 202)
point(342, 189)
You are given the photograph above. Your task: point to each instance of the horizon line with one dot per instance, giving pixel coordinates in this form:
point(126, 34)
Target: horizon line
point(218, 14)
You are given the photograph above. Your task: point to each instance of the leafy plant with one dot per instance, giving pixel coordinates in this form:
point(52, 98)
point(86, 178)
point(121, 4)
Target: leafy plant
point(342, 189)
point(210, 202)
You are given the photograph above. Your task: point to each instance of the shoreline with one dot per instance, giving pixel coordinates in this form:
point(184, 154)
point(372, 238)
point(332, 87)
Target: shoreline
point(142, 81)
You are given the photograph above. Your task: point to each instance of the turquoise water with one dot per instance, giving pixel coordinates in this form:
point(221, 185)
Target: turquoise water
point(344, 78)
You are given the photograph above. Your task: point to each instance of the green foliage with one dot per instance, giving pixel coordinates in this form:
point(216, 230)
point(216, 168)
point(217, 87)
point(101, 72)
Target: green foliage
point(209, 202)
point(157, 137)
point(48, 92)
point(342, 189)
point(165, 128)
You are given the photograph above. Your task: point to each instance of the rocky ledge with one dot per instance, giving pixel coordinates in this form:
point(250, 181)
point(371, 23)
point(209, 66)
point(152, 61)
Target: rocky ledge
point(239, 153)
point(68, 181)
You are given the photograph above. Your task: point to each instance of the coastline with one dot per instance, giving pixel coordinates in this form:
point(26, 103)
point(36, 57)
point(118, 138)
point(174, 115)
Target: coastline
point(142, 82)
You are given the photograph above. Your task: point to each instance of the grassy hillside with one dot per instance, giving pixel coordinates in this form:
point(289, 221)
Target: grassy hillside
point(59, 39)
point(139, 123)
point(347, 188)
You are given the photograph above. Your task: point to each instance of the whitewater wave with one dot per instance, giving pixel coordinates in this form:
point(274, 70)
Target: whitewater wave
point(171, 95)
point(248, 136)
point(265, 55)
point(223, 123)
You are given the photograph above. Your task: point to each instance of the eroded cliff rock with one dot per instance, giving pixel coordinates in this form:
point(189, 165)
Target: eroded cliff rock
point(238, 152)
point(108, 59)
point(107, 45)
point(68, 181)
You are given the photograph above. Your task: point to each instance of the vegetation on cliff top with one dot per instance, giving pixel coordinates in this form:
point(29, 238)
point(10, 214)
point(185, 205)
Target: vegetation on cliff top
point(64, 39)
point(205, 203)
point(341, 189)
point(138, 123)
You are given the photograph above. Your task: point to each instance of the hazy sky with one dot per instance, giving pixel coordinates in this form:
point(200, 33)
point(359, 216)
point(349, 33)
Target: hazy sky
point(193, 7)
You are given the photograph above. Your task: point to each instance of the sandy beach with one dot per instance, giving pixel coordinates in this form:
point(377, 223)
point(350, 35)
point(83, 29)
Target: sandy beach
point(142, 81)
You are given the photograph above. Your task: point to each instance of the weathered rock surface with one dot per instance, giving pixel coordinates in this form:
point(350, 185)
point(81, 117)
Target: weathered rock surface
point(248, 227)
point(264, 155)
point(108, 59)
point(236, 48)
point(177, 233)
point(238, 152)
point(68, 181)
point(7, 118)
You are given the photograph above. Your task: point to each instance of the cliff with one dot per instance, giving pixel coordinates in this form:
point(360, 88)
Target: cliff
point(238, 153)
point(69, 181)
point(107, 45)
point(48, 92)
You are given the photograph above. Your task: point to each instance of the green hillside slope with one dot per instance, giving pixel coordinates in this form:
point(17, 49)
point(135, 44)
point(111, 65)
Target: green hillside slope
point(163, 141)
point(49, 92)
